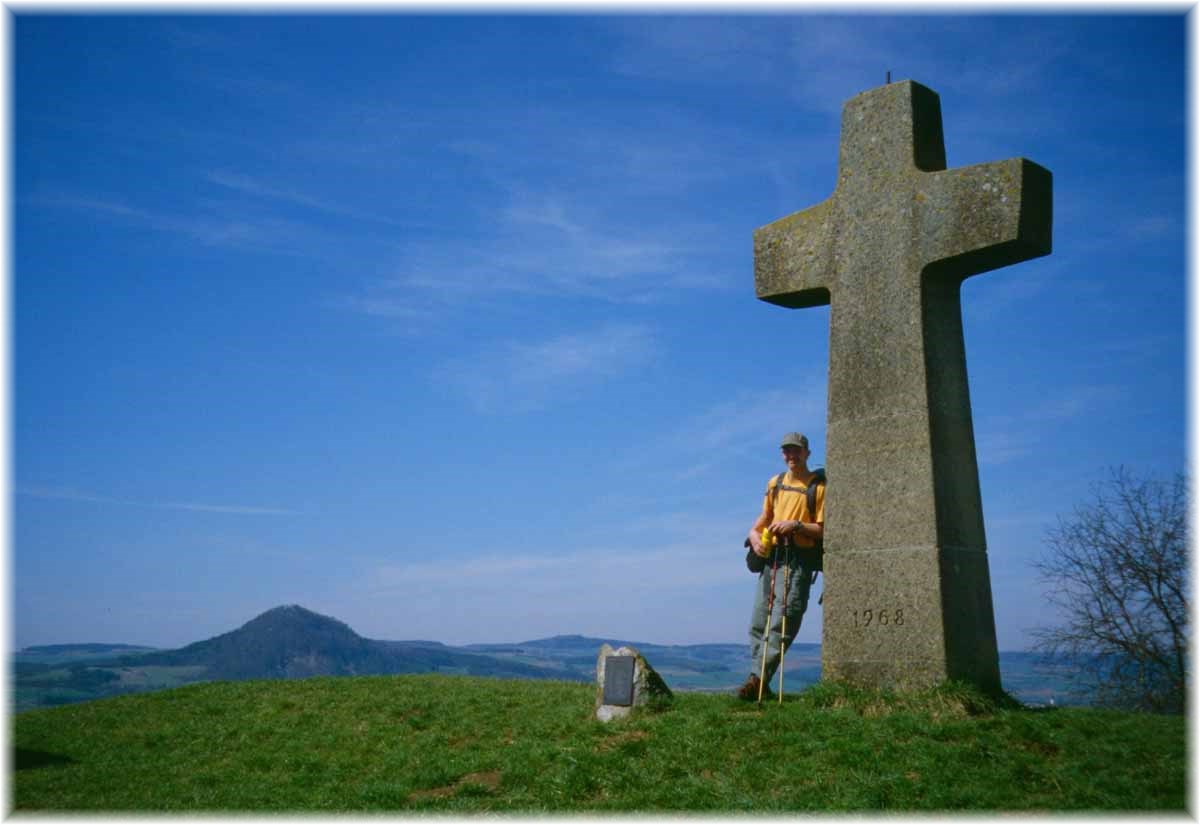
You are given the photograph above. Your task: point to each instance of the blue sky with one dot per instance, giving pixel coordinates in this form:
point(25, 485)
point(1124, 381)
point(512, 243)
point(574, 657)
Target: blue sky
point(445, 325)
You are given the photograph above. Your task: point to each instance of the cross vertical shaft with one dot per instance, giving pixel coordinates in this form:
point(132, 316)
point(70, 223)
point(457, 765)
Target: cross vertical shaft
point(908, 595)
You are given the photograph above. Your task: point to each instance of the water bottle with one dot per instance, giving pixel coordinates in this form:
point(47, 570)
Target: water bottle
point(768, 539)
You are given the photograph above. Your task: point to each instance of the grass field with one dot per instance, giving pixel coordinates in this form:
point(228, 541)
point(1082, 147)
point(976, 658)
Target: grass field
point(436, 743)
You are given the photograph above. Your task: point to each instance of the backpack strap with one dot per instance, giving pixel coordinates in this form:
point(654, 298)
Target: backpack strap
point(776, 488)
point(810, 492)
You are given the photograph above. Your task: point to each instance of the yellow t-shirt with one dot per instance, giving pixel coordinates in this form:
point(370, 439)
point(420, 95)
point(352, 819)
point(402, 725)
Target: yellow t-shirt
point(791, 504)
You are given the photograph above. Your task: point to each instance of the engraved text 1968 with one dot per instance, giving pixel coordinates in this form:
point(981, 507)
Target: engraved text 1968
point(879, 618)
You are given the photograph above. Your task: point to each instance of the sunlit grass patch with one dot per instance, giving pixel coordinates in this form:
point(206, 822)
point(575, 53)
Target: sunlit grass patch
point(436, 743)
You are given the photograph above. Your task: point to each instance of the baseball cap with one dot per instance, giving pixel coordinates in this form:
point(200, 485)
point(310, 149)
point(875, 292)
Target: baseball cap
point(794, 440)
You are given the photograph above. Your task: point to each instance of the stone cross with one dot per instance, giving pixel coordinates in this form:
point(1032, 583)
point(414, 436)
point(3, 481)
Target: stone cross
point(908, 599)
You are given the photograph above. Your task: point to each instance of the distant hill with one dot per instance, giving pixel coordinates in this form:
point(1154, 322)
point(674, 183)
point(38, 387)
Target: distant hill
point(291, 642)
point(80, 649)
point(288, 642)
point(51, 654)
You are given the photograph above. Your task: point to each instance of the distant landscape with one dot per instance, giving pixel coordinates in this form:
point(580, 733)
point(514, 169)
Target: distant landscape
point(291, 642)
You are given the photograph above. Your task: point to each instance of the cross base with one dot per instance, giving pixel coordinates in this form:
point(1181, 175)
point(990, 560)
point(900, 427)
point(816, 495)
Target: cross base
point(909, 618)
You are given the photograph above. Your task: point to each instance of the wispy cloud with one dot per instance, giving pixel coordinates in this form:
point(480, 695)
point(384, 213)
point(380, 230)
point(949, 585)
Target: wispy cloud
point(260, 189)
point(545, 244)
point(741, 420)
point(68, 494)
point(985, 297)
point(1140, 352)
point(240, 233)
point(521, 376)
point(713, 49)
point(995, 446)
point(1003, 439)
point(737, 428)
point(822, 59)
point(568, 251)
point(568, 204)
point(1073, 402)
point(1147, 228)
point(523, 595)
point(1137, 214)
point(388, 306)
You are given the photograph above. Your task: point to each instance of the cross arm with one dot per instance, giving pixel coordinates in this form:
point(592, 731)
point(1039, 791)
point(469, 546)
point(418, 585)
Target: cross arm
point(793, 258)
point(978, 218)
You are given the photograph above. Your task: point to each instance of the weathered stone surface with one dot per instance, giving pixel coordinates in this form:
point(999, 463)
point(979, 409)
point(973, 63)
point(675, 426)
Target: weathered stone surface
point(888, 251)
point(648, 687)
point(618, 680)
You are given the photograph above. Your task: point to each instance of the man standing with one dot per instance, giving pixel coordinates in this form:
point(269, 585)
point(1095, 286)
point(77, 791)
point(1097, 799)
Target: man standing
point(796, 526)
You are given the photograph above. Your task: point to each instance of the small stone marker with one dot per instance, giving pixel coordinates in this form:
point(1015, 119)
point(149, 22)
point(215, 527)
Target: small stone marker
point(624, 681)
point(908, 599)
point(618, 681)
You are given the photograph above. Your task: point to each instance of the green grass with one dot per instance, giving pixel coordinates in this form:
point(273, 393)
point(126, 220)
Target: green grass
point(435, 743)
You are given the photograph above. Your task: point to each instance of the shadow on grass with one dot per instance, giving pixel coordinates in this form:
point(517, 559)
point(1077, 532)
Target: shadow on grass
point(25, 759)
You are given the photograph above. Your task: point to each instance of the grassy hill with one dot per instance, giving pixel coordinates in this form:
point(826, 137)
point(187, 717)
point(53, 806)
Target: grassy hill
point(455, 744)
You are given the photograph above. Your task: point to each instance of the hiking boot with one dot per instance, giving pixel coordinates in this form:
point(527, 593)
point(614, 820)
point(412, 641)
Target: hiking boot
point(749, 691)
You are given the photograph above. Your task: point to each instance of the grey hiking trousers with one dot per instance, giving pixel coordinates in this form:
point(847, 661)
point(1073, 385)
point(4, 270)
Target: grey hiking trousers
point(792, 584)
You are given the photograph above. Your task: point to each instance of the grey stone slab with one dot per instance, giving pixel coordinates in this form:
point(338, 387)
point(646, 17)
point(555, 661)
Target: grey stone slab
point(888, 251)
point(618, 680)
point(621, 669)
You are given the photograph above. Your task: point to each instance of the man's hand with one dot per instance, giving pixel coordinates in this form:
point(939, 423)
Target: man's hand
point(786, 528)
point(756, 544)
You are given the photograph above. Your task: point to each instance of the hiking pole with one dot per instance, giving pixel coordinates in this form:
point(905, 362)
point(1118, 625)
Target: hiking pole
point(787, 589)
point(762, 676)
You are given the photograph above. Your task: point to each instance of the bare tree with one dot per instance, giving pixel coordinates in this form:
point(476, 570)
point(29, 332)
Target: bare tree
point(1117, 570)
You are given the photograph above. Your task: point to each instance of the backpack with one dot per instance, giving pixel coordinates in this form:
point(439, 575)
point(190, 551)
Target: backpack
point(811, 557)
